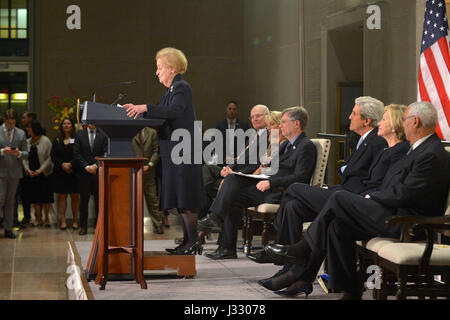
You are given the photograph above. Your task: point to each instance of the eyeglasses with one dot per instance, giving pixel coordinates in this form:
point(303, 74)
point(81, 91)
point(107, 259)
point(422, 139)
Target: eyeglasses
point(404, 119)
point(256, 116)
point(284, 121)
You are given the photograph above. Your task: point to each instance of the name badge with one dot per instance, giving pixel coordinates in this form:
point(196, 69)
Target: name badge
point(72, 140)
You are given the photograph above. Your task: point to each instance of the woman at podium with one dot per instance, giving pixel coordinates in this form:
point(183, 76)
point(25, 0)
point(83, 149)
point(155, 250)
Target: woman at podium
point(182, 184)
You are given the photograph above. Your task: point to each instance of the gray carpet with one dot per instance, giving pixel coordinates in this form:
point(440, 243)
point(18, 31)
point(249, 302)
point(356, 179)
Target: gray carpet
point(216, 280)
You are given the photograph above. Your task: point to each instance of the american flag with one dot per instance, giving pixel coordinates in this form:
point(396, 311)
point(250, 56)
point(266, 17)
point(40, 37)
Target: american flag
point(434, 66)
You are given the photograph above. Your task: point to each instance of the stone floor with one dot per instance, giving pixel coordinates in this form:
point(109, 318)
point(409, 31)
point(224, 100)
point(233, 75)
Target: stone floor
point(33, 266)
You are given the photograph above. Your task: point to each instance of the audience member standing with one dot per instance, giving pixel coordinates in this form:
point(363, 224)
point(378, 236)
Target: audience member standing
point(148, 148)
point(22, 192)
point(65, 180)
point(12, 151)
point(89, 145)
point(227, 127)
point(38, 168)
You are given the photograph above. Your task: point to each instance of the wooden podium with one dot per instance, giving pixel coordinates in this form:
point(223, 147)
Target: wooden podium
point(117, 251)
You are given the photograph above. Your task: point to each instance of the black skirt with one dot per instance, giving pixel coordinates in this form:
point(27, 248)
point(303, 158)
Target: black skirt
point(40, 188)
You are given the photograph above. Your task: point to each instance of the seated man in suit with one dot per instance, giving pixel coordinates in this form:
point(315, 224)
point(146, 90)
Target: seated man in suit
point(296, 162)
point(302, 203)
point(417, 185)
point(213, 175)
point(89, 145)
point(230, 123)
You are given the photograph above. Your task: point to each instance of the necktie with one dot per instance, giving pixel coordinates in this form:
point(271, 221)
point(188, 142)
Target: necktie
point(288, 147)
point(91, 138)
point(9, 135)
point(410, 150)
point(359, 142)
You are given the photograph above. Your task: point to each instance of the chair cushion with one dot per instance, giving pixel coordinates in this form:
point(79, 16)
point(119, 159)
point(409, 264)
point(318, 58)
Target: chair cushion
point(410, 254)
point(266, 208)
point(375, 244)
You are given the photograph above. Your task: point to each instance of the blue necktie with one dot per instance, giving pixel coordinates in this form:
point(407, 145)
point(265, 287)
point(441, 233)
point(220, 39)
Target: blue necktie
point(359, 142)
point(410, 150)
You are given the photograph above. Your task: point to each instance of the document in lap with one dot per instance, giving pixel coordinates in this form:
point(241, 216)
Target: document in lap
point(254, 176)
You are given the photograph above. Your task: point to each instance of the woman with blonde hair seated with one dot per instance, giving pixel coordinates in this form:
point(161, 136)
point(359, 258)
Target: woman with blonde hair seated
point(273, 120)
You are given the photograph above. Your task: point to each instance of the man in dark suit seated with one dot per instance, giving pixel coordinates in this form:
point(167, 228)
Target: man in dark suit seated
point(230, 123)
point(417, 185)
point(214, 174)
point(302, 203)
point(296, 163)
point(89, 145)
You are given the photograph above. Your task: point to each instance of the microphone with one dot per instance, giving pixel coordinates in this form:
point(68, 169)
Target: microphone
point(124, 83)
point(120, 96)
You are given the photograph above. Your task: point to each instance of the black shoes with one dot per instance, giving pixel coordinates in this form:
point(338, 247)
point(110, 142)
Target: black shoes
point(297, 289)
point(280, 254)
point(83, 231)
point(262, 257)
point(9, 234)
point(195, 248)
point(221, 254)
point(209, 224)
point(158, 230)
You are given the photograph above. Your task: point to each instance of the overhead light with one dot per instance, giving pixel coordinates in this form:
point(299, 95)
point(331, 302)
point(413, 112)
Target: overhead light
point(3, 96)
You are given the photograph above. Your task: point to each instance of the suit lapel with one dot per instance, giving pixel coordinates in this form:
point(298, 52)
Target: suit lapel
point(3, 135)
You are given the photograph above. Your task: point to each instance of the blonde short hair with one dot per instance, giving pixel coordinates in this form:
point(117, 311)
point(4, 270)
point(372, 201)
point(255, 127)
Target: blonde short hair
point(173, 58)
point(274, 116)
point(396, 113)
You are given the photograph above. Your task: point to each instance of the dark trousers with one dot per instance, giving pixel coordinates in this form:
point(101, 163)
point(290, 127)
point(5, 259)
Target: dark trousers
point(345, 218)
point(23, 193)
point(300, 203)
point(211, 182)
point(88, 186)
point(237, 192)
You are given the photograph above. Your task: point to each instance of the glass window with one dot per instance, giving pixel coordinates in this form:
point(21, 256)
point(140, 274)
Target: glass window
point(13, 19)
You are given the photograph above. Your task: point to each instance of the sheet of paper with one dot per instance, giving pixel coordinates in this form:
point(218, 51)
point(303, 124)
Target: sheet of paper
point(253, 176)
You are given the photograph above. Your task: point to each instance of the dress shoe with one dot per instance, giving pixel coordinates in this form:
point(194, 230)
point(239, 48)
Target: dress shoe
point(279, 273)
point(209, 224)
point(83, 231)
point(262, 257)
point(9, 234)
point(280, 254)
point(222, 254)
point(158, 230)
point(297, 289)
point(195, 248)
point(75, 227)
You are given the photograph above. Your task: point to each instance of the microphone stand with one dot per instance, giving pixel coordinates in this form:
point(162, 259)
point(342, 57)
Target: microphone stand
point(125, 83)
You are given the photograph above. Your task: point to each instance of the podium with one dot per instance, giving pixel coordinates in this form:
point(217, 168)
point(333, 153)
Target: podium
point(117, 251)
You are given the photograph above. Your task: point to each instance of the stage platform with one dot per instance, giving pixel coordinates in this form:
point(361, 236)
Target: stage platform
point(234, 279)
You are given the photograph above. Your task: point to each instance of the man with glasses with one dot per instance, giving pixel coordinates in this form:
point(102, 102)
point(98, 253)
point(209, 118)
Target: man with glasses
point(418, 185)
point(213, 175)
point(296, 162)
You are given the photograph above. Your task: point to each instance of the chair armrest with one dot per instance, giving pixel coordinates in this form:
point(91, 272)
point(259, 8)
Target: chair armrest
point(408, 222)
point(430, 230)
